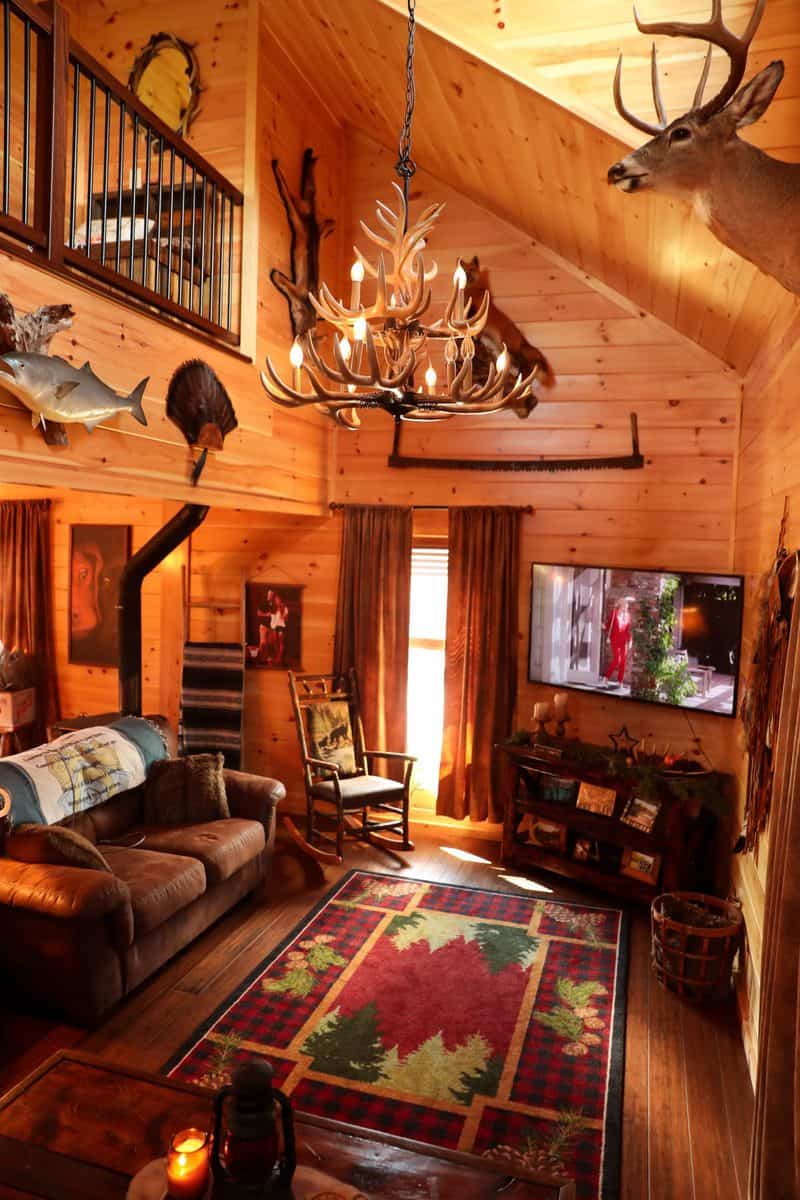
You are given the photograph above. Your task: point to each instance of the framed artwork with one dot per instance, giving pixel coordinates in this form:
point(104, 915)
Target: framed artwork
point(595, 799)
point(549, 835)
point(274, 626)
point(97, 556)
point(586, 850)
point(641, 866)
point(641, 814)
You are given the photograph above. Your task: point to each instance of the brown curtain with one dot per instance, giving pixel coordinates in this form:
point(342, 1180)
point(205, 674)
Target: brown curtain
point(775, 1154)
point(482, 652)
point(26, 596)
point(372, 617)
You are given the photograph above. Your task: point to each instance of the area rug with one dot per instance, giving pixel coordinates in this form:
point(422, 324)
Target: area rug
point(475, 1020)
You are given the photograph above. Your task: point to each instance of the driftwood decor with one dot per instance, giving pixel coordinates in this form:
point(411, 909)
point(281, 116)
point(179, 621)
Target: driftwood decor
point(32, 333)
point(307, 232)
point(750, 201)
point(498, 332)
point(622, 462)
point(164, 76)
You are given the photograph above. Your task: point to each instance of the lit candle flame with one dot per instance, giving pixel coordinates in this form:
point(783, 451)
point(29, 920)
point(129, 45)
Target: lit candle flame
point(360, 329)
point(296, 354)
point(430, 377)
point(344, 347)
point(357, 272)
point(502, 361)
point(460, 277)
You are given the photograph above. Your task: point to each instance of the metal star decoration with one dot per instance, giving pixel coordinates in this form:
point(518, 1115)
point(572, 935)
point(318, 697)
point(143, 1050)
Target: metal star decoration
point(623, 743)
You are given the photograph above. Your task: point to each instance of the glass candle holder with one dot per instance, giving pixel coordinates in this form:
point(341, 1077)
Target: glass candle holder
point(188, 1169)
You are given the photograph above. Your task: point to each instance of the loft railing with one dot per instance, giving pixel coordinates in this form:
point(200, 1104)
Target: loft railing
point(95, 182)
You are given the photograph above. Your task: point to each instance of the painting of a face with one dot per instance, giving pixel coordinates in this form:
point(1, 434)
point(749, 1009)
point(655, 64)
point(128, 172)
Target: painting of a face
point(99, 553)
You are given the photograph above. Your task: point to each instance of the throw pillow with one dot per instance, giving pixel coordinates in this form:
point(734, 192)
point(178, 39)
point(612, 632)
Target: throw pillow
point(54, 845)
point(190, 789)
point(330, 735)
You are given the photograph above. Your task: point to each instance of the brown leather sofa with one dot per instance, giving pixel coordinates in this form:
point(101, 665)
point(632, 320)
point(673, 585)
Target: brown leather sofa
point(74, 941)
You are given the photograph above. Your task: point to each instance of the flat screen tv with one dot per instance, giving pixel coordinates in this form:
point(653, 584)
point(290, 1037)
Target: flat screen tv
point(663, 637)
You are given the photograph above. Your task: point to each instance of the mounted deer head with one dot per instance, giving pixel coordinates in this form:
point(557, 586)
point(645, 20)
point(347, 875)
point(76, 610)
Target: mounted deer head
point(750, 201)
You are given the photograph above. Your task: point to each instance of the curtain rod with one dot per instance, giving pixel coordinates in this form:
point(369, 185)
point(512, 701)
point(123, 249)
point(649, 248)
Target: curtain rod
point(334, 506)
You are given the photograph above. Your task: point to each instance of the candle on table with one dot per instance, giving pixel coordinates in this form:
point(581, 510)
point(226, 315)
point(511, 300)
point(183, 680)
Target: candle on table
point(188, 1165)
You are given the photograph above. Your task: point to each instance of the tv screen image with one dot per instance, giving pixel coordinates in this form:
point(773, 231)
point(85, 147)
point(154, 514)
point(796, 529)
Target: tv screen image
point(664, 637)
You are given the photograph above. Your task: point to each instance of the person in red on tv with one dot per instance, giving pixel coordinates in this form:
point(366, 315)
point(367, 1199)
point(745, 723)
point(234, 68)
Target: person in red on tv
point(619, 632)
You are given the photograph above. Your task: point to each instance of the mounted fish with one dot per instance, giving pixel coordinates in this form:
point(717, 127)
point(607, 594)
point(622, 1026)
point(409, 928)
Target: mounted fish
point(32, 333)
point(54, 390)
point(201, 408)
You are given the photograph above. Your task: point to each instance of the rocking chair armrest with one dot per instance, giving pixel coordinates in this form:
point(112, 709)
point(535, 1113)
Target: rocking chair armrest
point(322, 764)
point(412, 758)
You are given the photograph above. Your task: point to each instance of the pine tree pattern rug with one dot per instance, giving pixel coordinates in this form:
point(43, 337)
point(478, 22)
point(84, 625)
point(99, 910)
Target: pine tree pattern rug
point(475, 1020)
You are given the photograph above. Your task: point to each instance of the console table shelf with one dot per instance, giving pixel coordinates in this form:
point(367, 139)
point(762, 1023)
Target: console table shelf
point(670, 837)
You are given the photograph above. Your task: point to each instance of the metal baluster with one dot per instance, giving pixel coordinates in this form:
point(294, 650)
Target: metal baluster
point(76, 111)
point(146, 241)
point(134, 189)
point(182, 231)
point(211, 273)
point(161, 167)
point(7, 104)
point(230, 263)
point(203, 247)
point(194, 223)
point(26, 120)
point(172, 221)
point(106, 152)
point(90, 165)
point(120, 174)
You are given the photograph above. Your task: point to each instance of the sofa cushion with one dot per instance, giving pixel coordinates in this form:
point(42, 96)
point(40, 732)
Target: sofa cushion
point(190, 789)
point(54, 844)
point(223, 847)
point(160, 885)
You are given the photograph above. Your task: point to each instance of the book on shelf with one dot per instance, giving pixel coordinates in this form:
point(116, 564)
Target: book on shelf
point(641, 814)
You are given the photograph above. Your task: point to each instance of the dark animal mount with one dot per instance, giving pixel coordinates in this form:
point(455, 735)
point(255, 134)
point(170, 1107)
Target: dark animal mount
point(201, 408)
point(500, 331)
point(621, 462)
point(307, 231)
point(32, 334)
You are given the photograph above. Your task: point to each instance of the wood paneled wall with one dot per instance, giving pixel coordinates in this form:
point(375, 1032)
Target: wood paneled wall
point(256, 106)
point(610, 358)
point(768, 473)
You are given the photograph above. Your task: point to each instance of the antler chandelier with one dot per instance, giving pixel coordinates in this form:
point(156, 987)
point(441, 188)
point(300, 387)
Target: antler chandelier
point(380, 349)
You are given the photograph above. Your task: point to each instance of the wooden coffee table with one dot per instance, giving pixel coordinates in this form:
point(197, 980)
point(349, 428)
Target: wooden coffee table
point(79, 1128)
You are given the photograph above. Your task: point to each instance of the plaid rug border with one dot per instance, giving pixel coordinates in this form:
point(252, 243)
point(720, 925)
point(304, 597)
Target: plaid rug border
point(612, 1124)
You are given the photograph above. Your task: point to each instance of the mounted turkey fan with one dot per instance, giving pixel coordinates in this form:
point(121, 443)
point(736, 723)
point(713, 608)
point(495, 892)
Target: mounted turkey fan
point(201, 408)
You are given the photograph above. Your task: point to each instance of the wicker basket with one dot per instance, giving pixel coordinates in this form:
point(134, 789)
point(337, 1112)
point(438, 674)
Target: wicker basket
point(688, 957)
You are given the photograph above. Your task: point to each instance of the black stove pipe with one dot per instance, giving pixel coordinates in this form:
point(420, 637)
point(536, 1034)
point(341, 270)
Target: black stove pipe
point(176, 530)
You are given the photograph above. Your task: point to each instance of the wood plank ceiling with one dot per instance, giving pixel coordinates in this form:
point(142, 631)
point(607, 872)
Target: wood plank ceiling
point(540, 165)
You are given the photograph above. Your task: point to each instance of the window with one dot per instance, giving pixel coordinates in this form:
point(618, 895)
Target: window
point(426, 665)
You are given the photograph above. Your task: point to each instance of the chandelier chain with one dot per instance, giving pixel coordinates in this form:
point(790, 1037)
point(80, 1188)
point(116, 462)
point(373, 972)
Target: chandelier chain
point(406, 166)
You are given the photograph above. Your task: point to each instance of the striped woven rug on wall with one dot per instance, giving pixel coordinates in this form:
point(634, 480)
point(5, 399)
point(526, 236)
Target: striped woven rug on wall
point(212, 698)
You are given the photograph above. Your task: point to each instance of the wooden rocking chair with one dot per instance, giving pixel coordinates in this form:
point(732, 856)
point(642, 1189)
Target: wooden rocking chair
point(339, 787)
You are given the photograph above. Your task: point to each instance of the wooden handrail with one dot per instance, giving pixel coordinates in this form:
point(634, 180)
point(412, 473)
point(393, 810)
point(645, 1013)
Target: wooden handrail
point(40, 18)
point(134, 105)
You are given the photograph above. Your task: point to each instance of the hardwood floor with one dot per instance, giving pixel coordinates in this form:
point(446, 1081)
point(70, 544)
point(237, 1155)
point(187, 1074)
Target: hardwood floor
point(687, 1103)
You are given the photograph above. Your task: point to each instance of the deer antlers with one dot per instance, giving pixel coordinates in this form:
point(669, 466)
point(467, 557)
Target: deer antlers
point(716, 33)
